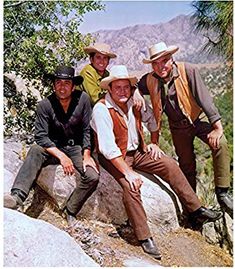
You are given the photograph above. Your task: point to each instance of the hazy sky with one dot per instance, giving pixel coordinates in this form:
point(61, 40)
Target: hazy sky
point(120, 14)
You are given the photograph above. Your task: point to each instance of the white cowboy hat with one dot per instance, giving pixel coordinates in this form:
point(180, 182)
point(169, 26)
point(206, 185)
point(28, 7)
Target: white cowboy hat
point(158, 50)
point(101, 48)
point(117, 72)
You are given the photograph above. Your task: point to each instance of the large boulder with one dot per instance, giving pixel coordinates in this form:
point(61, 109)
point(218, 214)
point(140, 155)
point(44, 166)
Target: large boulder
point(29, 242)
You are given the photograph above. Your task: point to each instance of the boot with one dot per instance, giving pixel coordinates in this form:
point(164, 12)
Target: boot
point(204, 215)
point(225, 200)
point(12, 201)
point(150, 247)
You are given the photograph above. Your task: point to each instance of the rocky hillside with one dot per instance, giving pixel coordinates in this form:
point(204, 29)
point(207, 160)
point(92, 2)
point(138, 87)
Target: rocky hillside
point(131, 43)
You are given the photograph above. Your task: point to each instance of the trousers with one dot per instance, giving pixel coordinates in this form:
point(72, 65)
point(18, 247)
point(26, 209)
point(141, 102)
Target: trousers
point(183, 137)
point(167, 169)
point(38, 157)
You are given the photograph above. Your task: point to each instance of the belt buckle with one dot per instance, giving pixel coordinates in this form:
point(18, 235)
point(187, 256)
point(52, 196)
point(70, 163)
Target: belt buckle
point(71, 142)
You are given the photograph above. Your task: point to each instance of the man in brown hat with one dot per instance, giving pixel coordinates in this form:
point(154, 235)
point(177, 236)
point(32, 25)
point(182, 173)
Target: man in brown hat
point(177, 88)
point(121, 149)
point(100, 55)
point(62, 134)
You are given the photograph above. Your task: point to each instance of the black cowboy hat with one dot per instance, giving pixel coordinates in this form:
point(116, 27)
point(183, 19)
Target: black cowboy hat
point(64, 72)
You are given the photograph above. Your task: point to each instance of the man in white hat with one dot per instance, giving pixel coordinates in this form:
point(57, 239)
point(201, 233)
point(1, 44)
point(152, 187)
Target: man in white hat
point(177, 88)
point(121, 149)
point(100, 55)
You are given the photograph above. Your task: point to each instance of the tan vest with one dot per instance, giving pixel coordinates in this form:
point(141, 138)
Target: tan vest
point(121, 132)
point(186, 101)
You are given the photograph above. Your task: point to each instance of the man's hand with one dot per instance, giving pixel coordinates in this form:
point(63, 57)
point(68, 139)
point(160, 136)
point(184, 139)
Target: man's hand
point(67, 164)
point(214, 138)
point(134, 180)
point(215, 135)
point(155, 151)
point(138, 100)
point(89, 161)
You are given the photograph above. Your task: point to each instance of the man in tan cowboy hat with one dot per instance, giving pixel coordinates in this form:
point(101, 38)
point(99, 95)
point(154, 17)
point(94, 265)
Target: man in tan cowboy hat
point(121, 149)
point(62, 135)
point(100, 54)
point(177, 88)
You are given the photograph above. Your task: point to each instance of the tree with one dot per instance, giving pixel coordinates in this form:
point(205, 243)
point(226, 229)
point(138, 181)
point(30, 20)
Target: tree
point(38, 35)
point(215, 19)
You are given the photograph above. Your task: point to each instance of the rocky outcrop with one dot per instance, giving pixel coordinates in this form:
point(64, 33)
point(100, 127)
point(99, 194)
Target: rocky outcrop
point(106, 204)
point(29, 242)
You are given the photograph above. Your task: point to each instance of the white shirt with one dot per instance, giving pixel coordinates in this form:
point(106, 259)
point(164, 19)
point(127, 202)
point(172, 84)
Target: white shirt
point(102, 123)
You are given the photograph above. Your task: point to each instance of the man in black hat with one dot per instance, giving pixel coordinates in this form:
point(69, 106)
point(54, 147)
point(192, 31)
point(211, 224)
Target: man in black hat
point(62, 135)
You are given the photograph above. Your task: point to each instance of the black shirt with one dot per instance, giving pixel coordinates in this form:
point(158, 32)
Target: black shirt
point(54, 127)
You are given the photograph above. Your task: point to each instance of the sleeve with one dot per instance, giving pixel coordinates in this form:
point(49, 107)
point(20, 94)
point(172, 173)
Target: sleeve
point(201, 93)
point(102, 124)
point(142, 85)
point(91, 85)
point(148, 118)
point(42, 125)
point(86, 117)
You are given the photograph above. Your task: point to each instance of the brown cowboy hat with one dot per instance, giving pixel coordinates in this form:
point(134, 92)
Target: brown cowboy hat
point(101, 48)
point(64, 72)
point(117, 72)
point(158, 50)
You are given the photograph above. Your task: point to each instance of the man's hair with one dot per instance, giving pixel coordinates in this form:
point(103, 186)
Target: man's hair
point(92, 54)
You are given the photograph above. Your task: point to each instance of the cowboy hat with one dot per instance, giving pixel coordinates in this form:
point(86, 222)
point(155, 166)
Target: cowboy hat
point(158, 50)
point(64, 72)
point(101, 48)
point(117, 72)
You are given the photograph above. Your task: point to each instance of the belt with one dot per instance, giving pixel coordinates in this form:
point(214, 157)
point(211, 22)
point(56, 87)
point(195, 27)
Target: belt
point(71, 142)
point(183, 122)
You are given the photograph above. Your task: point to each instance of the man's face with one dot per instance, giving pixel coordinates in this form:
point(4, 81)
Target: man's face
point(163, 66)
point(63, 88)
point(120, 91)
point(100, 62)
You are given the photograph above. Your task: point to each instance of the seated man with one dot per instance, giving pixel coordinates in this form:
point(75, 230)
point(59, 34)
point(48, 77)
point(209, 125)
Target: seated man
point(92, 73)
point(62, 134)
point(121, 149)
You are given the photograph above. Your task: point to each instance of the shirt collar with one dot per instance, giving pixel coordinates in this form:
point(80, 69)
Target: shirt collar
point(111, 104)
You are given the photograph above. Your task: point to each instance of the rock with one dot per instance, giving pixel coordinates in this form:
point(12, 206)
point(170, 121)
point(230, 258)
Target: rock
point(29, 242)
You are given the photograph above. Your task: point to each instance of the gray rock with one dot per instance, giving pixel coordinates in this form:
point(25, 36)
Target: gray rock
point(29, 242)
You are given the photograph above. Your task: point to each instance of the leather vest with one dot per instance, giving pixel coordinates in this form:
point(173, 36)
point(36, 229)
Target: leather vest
point(187, 102)
point(120, 130)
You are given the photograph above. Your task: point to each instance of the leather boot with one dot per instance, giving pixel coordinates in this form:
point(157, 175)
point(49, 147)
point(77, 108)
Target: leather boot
point(204, 215)
point(225, 200)
point(150, 247)
point(12, 201)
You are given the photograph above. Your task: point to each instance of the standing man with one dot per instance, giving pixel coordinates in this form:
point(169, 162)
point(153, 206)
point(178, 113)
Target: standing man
point(121, 149)
point(62, 134)
point(100, 55)
point(177, 88)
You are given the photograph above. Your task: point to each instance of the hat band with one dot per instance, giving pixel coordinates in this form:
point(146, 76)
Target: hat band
point(155, 55)
point(63, 75)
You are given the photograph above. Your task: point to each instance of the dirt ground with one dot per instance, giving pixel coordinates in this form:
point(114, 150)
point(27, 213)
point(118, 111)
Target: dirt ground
point(116, 246)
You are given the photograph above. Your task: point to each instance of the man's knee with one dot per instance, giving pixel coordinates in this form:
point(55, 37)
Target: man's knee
point(36, 150)
point(91, 177)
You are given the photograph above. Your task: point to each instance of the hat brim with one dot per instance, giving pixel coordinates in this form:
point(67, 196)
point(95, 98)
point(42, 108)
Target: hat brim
point(76, 80)
point(104, 84)
point(90, 50)
point(171, 50)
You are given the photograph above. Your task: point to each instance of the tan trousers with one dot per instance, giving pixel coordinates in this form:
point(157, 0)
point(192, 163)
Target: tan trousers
point(167, 169)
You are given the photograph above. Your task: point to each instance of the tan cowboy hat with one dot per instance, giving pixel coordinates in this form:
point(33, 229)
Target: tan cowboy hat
point(101, 48)
point(158, 50)
point(117, 72)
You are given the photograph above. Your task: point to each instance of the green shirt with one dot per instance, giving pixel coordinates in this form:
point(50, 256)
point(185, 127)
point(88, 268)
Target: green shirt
point(91, 83)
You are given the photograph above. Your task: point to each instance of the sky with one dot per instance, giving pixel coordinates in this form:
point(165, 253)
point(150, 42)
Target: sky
point(120, 14)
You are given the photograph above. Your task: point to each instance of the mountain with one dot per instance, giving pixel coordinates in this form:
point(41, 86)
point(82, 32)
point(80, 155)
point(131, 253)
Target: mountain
point(131, 43)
